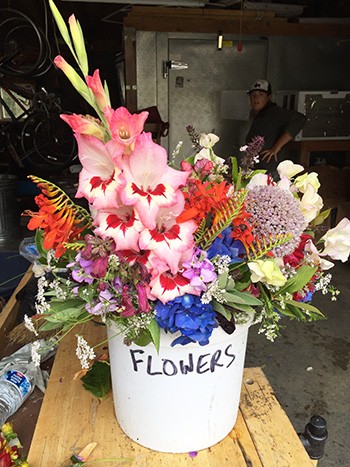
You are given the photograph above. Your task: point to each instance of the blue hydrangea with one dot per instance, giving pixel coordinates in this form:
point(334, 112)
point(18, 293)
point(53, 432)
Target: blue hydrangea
point(224, 244)
point(187, 314)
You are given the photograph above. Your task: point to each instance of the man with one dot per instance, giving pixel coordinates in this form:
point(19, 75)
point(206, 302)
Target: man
point(276, 125)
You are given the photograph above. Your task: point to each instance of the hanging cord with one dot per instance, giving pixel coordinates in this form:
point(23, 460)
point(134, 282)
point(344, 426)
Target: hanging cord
point(240, 45)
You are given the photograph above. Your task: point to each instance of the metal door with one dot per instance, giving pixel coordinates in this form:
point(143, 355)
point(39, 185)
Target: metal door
point(214, 82)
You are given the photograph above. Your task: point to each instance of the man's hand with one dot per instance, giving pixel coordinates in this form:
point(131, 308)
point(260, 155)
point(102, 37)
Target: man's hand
point(269, 153)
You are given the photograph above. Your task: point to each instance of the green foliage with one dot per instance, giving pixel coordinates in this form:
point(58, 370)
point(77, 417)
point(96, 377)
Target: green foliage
point(299, 280)
point(98, 379)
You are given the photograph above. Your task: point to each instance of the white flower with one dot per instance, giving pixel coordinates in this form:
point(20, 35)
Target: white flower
point(28, 323)
point(313, 256)
point(311, 203)
point(35, 353)
point(337, 241)
point(266, 271)
point(303, 182)
point(288, 169)
point(84, 352)
point(257, 180)
point(208, 140)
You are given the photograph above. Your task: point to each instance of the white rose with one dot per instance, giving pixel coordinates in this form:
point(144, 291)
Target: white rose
point(311, 203)
point(289, 169)
point(303, 181)
point(337, 241)
point(266, 271)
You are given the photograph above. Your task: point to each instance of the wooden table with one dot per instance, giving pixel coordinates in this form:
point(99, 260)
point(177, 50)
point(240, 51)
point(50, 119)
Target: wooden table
point(70, 418)
point(305, 147)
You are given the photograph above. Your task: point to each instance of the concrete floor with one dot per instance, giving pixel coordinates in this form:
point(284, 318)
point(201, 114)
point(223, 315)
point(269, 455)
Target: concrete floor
point(308, 368)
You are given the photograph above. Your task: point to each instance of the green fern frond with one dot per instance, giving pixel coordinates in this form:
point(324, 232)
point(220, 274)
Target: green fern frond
point(260, 248)
point(62, 201)
point(224, 216)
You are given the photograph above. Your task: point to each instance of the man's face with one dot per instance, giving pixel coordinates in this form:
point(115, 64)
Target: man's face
point(258, 100)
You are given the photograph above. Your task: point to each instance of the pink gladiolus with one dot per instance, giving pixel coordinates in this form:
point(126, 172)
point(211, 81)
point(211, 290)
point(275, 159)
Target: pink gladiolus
point(71, 74)
point(121, 225)
point(94, 83)
point(124, 126)
point(85, 125)
point(150, 182)
point(166, 286)
point(100, 178)
point(169, 239)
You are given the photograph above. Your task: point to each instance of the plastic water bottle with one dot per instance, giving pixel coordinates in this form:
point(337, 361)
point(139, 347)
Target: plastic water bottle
point(16, 385)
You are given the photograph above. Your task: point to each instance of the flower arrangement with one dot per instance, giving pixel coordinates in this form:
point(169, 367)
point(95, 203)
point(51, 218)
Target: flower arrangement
point(180, 249)
point(9, 448)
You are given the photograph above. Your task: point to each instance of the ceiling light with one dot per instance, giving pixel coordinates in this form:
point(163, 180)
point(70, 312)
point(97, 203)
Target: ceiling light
point(189, 3)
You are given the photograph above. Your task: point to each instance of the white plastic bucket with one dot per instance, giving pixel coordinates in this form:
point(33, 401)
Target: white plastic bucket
point(183, 399)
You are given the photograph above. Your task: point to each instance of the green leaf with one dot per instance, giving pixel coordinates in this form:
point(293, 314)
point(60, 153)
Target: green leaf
point(67, 316)
point(61, 305)
point(297, 282)
point(62, 27)
point(221, 309)
point(39, 240)
point(234, 172)
point(291, 311)
point(98, 379)
point(144, 338)
point(241, 307)
point(230, 297)
point(307, 307)
point(223, 278)
point(154, 331)
point(321, 217)
point(50, 326)
point(247, 298)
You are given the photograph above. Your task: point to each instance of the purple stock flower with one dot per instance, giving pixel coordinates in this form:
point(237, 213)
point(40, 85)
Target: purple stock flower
point(199, 270)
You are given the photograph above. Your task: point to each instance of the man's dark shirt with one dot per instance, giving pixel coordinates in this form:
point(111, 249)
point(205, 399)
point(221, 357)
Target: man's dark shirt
point(271, 122)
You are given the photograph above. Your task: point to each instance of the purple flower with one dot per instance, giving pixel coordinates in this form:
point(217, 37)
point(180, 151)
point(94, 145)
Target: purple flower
point(274, 212)
point(199, 270)
point(187, 314)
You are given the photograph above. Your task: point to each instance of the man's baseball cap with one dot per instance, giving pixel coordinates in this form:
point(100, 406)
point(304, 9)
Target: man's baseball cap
point(260, 85)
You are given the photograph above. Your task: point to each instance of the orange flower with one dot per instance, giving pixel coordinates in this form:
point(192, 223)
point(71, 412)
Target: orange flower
point(203, 199)
point(59, 225)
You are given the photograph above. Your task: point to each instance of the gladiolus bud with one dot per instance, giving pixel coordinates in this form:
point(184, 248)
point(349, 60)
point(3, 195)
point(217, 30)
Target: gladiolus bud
point(94, 83)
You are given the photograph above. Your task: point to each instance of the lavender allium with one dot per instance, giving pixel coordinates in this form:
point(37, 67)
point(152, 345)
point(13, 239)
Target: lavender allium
point(275, 211)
